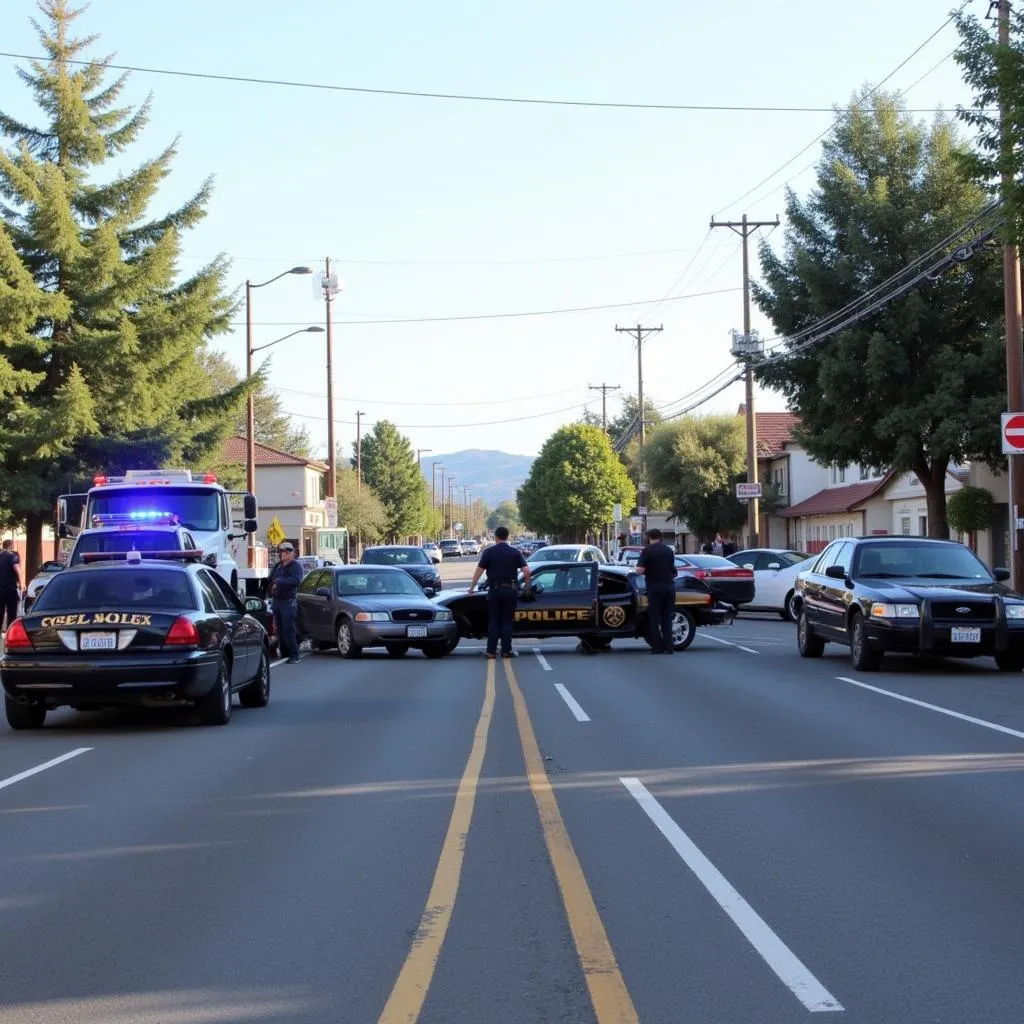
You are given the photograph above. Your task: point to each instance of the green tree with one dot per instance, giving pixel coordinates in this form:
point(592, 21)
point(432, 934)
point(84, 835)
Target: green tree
point(694, 463)
point(389, 467)
point(359, 508)
point(971, 509)
point(627, 414)
point(101, 370)
point(274, 427)
point(995, 72)
point(506, 514)
point(574, 483)
point(919, 382)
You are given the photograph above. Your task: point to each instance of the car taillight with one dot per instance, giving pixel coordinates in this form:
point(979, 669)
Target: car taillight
point(17, 636)
point(702, 574)
point(183, 633)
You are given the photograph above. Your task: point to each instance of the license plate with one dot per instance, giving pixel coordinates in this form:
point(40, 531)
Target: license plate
point(966, 635)
point(416, 631)
point(97, 641)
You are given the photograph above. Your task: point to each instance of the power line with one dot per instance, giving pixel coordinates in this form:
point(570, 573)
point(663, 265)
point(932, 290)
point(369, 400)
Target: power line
point(449, 426)
point(431, 405)
point(419, 94)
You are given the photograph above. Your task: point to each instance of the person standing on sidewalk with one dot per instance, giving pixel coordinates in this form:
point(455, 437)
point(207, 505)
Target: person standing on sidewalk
point(657, 565)
point(10, 585)
point(284, 586)
point(502, 563)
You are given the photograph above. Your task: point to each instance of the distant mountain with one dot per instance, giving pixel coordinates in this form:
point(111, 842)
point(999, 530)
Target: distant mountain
point(493, 476)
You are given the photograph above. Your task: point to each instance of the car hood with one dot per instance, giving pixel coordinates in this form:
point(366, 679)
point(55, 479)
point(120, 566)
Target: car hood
point(896, 589)
point(417, 570)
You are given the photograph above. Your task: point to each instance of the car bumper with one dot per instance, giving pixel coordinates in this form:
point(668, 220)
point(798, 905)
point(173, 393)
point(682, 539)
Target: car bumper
point(162, 679)
point(927, 637)
point(376, 634)
point(721, 614)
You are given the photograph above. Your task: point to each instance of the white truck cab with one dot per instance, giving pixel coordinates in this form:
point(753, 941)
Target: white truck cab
point(199, 504)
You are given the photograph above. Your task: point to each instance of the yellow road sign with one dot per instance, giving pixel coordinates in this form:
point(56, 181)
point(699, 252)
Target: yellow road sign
point(275, 532)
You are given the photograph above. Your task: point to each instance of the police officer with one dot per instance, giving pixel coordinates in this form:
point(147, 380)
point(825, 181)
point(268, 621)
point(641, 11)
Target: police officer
point(657, 564)
point(502, 563)
point(284, 585)
point(10, 584)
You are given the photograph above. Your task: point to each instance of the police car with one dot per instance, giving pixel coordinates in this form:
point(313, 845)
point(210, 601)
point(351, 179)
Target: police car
point(120, 532)
point(155, 628)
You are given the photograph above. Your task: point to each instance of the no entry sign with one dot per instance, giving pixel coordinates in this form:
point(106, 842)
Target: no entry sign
point(1013, 432)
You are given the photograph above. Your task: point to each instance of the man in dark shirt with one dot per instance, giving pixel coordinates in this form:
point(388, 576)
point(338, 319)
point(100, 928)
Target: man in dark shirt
point(284, 585)
point(657, 564)
point(10, 584)
point(502, 563)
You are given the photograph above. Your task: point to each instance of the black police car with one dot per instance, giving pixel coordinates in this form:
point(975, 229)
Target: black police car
point(123, 629)
point(415, 561)
point(910, 594)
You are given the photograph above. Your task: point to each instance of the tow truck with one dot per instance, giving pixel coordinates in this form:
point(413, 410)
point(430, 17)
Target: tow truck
point(220, 521)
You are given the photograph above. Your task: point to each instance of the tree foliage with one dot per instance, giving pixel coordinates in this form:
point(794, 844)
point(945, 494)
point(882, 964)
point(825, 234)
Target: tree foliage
point(359, 508)
point(507, 515)
point(98, 336)
point(971, 509)
point(389, 467)
point(574, 483)
point(919, 382)
point(694, 463)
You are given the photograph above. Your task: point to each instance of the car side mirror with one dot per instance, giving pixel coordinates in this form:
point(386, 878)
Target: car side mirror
point(250, 525)
point(429, 591)
point(322, 592)
point(1001, 574)
point(836, 572)
point(62, 530)
point(249, 508)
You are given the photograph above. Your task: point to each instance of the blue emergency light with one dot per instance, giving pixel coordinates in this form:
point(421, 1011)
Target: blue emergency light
point(151, 517)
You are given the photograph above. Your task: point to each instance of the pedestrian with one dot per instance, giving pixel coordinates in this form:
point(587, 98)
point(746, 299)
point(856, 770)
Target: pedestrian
point(716, 545)
point(502, 563)
point(657, 565)
point(284, 585)
point(10, 585)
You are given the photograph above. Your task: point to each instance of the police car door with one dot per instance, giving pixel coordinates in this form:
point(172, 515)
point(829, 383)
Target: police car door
point(566, 603)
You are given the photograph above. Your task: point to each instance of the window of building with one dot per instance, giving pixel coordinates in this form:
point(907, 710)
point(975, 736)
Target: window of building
point(905, 525)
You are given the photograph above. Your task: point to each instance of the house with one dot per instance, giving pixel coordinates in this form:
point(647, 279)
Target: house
point(993, 544)
point(288, 487)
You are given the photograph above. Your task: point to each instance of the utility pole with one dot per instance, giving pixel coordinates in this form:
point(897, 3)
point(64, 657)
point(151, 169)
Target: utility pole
point(465, 509)
point(359, 450)
point(604, 389)
point(433, 482)
point(744, 228)
point(639, 333)
point(330, 288)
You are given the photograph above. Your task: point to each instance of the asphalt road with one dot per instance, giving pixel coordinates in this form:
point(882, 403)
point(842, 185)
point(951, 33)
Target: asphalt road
point(735, 836)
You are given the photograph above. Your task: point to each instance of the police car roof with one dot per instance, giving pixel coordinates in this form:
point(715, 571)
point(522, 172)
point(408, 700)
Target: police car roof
point(122, 563)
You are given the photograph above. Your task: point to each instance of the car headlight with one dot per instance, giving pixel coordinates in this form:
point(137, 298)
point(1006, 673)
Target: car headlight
point(373, 616)
point(1015, 611)
point(884, 610)
point(446, 616)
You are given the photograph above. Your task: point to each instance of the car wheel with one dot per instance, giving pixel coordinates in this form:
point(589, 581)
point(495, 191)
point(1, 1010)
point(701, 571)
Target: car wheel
point(347, 647)
point(397, 650)
point(257, 693)
point(450, 645)
point(808, 643)
point(863, 657)
point(791, 607)
point(1010, 661)
point(438, 649)
point(24, 716)
point(599, 643)
point(215, 707)
point(684, 629)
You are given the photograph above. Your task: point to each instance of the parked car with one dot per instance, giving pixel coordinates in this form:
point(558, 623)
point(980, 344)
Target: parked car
point(775, 572)
point(450, 548)
point(433, 551)
point(728, 582)
point(911, 594)
point(470, 547)
point(567, 553)
point(46, 573)
point(415, 561)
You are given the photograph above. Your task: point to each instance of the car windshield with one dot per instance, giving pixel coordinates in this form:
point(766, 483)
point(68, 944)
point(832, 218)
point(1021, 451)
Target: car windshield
point(124, 540)
point(395, 556)
point(920, 559)
point(195, 509)
point(374, 584)
point(121, 588)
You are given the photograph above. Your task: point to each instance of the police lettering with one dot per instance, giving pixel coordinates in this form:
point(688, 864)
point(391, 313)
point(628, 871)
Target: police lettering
point(96, 619)
point(552, 615)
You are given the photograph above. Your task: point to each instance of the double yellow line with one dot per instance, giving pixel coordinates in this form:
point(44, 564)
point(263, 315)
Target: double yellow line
point(608, 994)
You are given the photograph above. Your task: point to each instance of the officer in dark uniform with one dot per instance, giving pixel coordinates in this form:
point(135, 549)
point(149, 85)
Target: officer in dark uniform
point(10, 584)
point(657, 565)
point(502, 563)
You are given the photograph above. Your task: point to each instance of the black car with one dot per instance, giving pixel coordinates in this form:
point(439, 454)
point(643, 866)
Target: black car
point(352, 607)
point(415, 561)
point(593, 601)
point(909, 594)
point(156, 631)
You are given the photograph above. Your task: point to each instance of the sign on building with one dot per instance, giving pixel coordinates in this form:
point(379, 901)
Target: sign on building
point(331, 511)
point(748, 491)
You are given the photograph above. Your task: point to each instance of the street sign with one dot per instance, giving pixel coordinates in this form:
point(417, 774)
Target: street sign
point(1012, 424)
point(331, 509)
point(635, 525)
point(748, 491)
point(275, 531)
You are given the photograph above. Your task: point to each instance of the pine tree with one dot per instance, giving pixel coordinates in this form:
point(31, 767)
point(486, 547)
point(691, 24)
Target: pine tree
point(389, 467)
point(101, 339)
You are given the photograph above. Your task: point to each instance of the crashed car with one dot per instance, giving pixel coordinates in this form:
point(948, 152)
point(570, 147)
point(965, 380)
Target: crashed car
point(594, 602)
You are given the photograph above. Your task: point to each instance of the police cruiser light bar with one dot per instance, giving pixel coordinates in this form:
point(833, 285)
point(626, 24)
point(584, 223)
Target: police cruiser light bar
point(143, 517)
point(188, 555)
point(154, 476)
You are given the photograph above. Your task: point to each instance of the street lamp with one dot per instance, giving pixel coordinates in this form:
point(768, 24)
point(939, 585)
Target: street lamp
point(250, 408)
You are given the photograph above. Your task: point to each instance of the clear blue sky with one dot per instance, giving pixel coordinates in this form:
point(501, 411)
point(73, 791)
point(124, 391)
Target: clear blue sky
point(438, 207)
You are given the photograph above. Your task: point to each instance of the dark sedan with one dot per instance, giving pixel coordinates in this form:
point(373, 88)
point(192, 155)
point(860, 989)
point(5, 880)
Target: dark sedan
point(909, 594)
point(154, 631)
point(352, 607)
point(415, 561)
